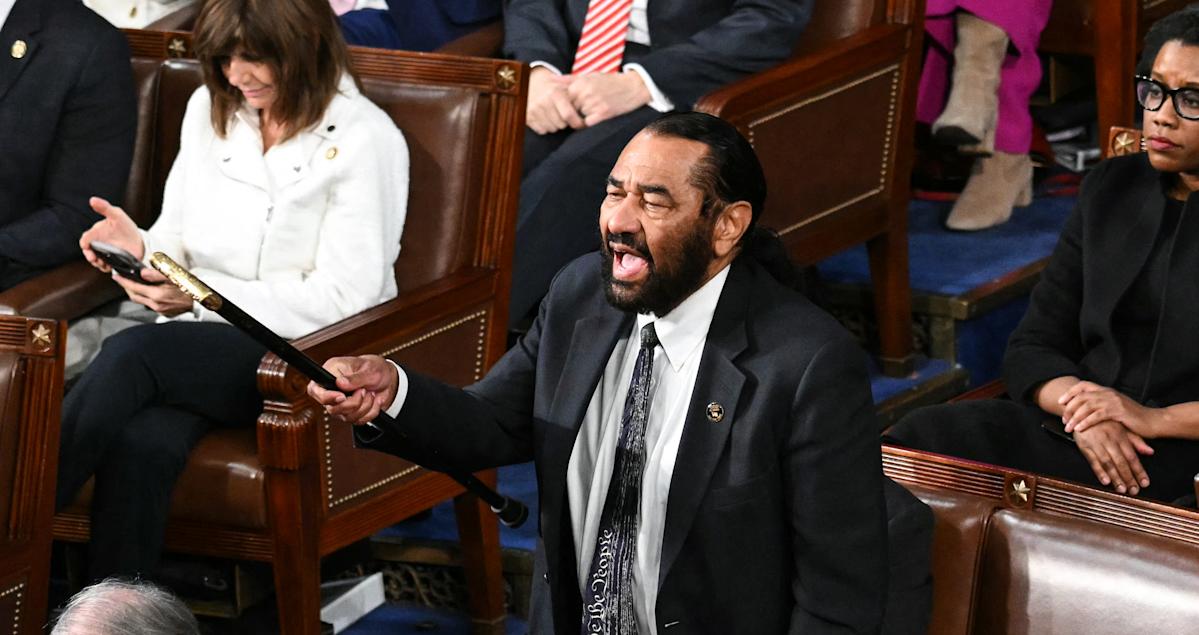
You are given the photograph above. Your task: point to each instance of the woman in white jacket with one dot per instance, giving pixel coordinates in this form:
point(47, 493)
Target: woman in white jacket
point(288, 196)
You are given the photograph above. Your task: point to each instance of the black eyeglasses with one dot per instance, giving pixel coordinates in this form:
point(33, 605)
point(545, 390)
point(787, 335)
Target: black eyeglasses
point(1151, 94)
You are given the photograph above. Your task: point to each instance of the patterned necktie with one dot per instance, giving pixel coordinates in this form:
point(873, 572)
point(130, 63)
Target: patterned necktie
point(601, 45)
point(608, 597)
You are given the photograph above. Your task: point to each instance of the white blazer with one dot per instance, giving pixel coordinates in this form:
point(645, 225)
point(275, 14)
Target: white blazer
point(300, 237)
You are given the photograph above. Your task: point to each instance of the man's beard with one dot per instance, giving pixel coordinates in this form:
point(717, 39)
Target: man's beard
point(662, 290)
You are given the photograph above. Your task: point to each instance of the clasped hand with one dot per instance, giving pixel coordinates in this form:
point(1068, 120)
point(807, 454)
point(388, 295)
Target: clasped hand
point(117, 229)
point(366, 386)
point(1110, 430)
point(557, 102)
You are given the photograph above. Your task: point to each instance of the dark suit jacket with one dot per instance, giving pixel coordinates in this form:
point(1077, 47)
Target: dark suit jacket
point(1102, 249)
point(424, 25)
point(775, 519)
point(697, 46)
point(67, 121)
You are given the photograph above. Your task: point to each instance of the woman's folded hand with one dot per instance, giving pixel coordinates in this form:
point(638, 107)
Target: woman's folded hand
point(1087, 404)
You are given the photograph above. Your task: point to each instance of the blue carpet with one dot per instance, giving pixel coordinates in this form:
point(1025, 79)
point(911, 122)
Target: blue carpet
point(883, 387)
point(392, 618)
point(950, 263)
point(981, 341)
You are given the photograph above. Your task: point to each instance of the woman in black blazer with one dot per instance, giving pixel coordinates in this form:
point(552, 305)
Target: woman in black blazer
point(1103, 370)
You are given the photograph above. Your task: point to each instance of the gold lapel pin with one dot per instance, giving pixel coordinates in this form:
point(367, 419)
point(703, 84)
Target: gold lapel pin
point(715, 412)
point(331, 153)
point(19, 48)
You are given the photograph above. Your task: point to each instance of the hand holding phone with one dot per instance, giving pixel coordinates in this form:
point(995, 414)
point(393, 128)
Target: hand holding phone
point(121, 261)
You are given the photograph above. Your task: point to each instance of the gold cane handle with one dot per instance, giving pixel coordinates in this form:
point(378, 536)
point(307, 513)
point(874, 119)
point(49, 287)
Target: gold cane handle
point(186, 282)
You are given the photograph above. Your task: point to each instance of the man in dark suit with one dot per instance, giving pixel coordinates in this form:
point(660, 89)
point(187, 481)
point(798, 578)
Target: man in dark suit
point(417, 25)
point(676, 397)
point(67, 121)
point(580, 117)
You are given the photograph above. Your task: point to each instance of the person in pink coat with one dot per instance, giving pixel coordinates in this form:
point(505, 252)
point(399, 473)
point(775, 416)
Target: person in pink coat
point(979, 72)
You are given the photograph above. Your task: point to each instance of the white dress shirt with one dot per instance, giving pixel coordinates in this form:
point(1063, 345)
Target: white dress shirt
point(301, 236)
point(638, 34)
point(681, 337)
point(134, 14)
point(5, 9)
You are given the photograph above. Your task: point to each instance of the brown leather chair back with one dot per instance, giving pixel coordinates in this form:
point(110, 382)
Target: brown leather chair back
point(1043, 574)
point(11, 387)
point(836, 19)
point(163, 88)
point(961, 522)
point(139, 189)
point(438, 124)
point(1020, 554)
point(177, 80)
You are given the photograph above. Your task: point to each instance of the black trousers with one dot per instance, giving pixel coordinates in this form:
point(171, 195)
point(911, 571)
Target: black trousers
point(560, 194)
point(1009, 434)
point(133, 418)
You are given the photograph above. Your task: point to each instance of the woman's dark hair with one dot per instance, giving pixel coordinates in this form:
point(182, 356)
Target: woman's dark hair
point(1180, 26)
point(729, 171)
point(299, 40)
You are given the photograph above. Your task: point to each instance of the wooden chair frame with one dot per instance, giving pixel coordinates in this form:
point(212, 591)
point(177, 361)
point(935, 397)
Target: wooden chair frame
point(32, 351)
point(828, 74)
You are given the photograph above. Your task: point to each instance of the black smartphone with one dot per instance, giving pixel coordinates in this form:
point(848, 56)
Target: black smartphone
point(1057, 429)
point(121, 261)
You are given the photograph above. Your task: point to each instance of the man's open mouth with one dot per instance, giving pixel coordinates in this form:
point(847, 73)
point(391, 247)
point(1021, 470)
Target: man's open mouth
point(627, 263)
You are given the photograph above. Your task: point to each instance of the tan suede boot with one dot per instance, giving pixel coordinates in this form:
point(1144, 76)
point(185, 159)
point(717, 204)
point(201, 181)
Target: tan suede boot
point(969, 116)
point(997, 184)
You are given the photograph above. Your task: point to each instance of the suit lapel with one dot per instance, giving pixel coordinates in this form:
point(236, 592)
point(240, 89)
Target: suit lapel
point(1134, 248)
point(591, 345)
point(23, 24)
point(703, 441)
point(239, 155)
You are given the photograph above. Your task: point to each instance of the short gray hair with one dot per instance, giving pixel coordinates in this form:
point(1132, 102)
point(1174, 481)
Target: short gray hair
point(113, 607)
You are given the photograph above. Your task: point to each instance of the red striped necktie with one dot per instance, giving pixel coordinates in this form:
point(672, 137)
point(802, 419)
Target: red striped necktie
point(601, 46)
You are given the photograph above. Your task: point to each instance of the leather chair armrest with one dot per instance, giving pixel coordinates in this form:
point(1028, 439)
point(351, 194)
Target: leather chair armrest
point(181, 19)
point(803, 76)
point(486, 41)
point(65, 293)
point(409, 317)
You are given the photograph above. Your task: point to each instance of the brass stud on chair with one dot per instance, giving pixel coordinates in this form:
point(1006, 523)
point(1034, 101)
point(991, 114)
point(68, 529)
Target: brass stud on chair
point(1019, 490)
point(505, 77)
point(41, 337)
point(1123, 144)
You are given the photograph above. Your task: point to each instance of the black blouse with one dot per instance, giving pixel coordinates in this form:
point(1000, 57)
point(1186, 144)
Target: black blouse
point(1136, 317)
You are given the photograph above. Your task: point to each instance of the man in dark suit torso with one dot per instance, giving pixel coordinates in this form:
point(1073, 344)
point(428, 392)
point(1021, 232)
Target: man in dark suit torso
point(578, 122)
point(67, 121)
point(760, 499)
point(417, 25)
